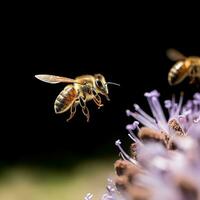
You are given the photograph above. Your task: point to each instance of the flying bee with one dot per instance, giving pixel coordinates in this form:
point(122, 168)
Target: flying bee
point(80, 90)
point(184, 67)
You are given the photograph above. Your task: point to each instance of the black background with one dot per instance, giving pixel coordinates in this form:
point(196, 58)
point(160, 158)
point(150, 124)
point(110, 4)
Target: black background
point(126, 49)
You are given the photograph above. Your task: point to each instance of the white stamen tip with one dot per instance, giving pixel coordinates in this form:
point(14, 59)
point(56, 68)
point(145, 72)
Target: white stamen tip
point(128, 113)
point(153, 93)
point(129, 127)
point(118, 142)
point(136, 123)
point(136, 106)
point(168, 104)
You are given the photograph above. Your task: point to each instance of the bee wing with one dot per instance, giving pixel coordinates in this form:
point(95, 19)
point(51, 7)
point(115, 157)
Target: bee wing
point(175, 55)
point(54, 79)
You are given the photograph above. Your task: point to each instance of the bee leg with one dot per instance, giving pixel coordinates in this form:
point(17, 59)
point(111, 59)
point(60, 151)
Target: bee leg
point(86, 113)
point(72, 111)
point(192, 74)
point(82, 102)
point(192, 80)
point(97, 99)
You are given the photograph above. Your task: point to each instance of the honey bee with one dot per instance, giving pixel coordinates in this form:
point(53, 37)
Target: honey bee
point(184, 67)
point(80, 90)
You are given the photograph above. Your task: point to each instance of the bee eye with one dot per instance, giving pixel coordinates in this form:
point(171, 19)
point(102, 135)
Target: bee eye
point(99, 83)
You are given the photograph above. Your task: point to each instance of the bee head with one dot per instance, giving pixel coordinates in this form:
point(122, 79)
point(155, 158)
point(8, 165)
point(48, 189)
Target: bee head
point(101, 84)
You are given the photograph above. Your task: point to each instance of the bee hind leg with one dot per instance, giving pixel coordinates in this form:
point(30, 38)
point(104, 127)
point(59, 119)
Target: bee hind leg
point(86, 112)
point(82, 102)
point(72, 111)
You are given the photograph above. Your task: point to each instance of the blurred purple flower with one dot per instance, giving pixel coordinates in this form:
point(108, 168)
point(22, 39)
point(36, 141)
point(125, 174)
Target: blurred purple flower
point(167, 149)
point(164, 162)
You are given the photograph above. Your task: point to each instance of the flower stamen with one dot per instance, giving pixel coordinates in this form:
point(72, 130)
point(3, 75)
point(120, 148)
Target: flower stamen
point(118, 144)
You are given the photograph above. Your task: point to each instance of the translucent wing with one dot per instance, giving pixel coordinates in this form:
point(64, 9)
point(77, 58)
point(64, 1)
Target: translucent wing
point(175, 55)
point(54, 79)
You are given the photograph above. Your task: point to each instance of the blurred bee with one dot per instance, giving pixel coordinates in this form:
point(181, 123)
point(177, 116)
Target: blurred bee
point(82, 89)
point(184, 67)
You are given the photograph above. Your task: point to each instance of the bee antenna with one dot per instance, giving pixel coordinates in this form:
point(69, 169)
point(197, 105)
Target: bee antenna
point(112, 83)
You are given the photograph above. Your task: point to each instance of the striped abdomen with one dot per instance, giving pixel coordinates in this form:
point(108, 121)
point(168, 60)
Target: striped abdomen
point(65, 99)
point(177, 73)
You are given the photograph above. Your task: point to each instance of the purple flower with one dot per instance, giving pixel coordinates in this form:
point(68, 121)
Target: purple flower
point(186, 117)
point(167, 151)
point(111, 194)
point(164, 162)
